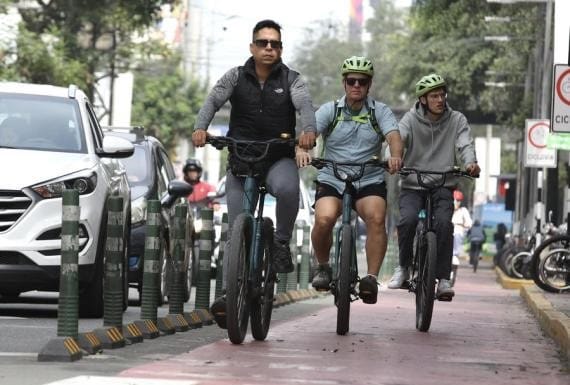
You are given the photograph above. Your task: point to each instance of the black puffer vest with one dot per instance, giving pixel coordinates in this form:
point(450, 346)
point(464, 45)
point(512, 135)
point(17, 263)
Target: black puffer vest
point(266, 113)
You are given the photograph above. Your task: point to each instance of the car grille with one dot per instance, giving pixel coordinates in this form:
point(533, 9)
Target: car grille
point(13, 204)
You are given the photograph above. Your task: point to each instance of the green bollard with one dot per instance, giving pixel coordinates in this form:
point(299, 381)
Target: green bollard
point(68, 304)
point(114, 248)
point(291, 284)
point(305, 259)
point(176, 298)
point(220, 260)
point(204, 270)
point(151, 265)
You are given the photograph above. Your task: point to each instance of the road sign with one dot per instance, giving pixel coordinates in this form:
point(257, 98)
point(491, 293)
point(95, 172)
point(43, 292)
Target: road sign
point(537, 154)
point(561, 99)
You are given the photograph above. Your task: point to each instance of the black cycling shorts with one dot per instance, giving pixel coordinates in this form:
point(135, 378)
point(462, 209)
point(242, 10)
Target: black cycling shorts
point(326, 190)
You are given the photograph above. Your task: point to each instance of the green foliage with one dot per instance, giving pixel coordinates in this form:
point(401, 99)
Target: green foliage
point(62, 42)
point(164, 103)
point(320, 58)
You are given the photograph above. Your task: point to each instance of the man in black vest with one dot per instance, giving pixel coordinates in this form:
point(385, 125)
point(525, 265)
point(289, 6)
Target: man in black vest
point(264, 94)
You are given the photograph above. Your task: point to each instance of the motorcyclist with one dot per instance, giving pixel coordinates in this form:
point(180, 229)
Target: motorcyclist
point(192, 174)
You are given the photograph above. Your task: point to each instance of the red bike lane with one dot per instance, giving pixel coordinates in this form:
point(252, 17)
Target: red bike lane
point(485, 336)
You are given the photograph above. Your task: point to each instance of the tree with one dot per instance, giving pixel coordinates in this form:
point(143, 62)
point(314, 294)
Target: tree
point(164, 103)
point(61, 41)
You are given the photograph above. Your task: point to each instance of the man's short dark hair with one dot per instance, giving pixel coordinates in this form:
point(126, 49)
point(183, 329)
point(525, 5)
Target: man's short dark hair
point(266, 24)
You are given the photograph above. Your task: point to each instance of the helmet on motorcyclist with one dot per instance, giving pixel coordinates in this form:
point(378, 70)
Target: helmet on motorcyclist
point(192, 165)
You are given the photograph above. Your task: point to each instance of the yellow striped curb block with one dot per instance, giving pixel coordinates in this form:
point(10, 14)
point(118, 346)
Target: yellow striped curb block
point(555, 323)
point(511, 283)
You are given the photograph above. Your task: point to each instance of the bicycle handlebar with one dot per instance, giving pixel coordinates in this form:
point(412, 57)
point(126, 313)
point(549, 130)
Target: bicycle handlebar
point(240, 146)
point(455, 171)
point(374, 162)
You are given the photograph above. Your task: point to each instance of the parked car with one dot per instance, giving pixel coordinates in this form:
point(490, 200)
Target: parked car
point(50, 140)
point(151, 176)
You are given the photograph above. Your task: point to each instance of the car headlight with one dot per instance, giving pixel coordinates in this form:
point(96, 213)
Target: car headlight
point(84, 185)
point(138, 210)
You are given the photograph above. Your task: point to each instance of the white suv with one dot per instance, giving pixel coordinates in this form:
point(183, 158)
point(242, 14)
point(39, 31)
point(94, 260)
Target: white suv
point(50, 140)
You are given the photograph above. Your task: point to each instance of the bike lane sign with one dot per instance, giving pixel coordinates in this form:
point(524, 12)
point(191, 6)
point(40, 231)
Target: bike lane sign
point(560, 114)
point(537, 154)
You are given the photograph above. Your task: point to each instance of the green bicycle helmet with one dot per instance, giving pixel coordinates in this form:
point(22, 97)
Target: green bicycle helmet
point(428, 83)
point(357, 64)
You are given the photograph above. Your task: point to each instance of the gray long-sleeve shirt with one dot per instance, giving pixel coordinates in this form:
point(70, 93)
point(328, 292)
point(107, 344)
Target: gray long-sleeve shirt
point(222, 91)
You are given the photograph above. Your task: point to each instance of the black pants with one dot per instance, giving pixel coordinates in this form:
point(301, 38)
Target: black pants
point(474, 251)
point(411, 202)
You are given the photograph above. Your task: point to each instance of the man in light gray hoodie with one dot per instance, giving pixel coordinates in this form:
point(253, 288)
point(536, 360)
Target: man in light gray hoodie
point(432, 133)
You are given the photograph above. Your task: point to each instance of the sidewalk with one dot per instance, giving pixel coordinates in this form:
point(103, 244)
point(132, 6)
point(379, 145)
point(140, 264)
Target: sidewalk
point(551, 310)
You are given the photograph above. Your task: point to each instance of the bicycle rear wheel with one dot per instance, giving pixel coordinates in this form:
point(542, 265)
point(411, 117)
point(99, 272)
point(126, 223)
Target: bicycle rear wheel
point(237, 290)
point(425, 291)
point(261, 304)
point(343, 284)
point(550, 264)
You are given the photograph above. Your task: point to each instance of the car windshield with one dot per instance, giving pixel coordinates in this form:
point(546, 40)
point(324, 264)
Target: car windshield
point(40, 123)
point(136, 165)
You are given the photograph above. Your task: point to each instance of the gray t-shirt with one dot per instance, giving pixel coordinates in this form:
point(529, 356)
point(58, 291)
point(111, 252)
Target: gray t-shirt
point(353, 140)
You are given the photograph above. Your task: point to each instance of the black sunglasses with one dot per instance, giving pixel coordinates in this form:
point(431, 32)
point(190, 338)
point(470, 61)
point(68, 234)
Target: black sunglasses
point(262, 43)
point(352, 81)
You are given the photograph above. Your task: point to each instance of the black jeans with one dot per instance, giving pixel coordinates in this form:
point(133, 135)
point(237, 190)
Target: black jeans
point(411, 202)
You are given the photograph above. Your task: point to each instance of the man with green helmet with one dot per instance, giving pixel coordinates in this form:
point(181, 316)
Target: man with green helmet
point(353, 129)
point(432, 133)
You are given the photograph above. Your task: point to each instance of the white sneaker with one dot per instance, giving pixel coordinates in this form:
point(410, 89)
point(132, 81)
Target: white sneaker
point(444, 290)
point(401, 275)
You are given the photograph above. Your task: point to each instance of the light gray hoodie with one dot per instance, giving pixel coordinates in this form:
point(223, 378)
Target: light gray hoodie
point(433, 145)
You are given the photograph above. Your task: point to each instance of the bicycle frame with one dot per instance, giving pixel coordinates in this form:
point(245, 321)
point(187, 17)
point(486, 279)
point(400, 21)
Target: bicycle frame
point(250, 279)
point(345, 273)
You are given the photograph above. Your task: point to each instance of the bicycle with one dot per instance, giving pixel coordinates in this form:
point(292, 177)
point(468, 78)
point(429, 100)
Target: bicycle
point(344, 261)
point(250, 279)
point(422, 280)
point(550, 264)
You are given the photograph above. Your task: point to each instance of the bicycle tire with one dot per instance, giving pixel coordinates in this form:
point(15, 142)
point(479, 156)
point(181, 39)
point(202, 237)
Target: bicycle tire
point(425, 293)
point(344, 281)
point(261, 305)
point(237, 290)
point(556, 262)
point(516, 263)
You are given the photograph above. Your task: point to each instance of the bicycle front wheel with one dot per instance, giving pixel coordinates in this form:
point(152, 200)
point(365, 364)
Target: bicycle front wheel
point(425, 292)
point(550, 264)
point(343, 284)
point(262, 300)
point(237, 314)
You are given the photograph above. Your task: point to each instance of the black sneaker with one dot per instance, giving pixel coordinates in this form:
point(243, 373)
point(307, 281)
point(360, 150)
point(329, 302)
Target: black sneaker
point(218, 310)
point(322, 278)
point(368, 289)
point(282, 261)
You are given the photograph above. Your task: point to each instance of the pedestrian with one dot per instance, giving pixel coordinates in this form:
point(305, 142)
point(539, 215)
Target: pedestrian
point(462, 222)
point(477, 237)
point(432, 134)
point(353, 129)
point(499, 238)
point(264, 94)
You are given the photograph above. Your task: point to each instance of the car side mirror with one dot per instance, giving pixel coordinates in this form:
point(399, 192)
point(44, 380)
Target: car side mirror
point(176, 189)
point(115, 147)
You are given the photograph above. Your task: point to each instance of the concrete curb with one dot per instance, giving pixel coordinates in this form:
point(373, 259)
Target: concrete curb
point(555, 323)
point(511, 283)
